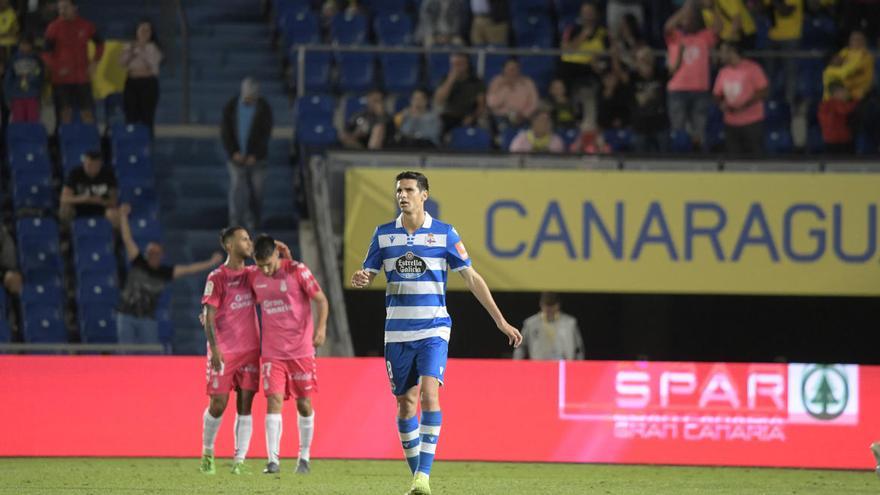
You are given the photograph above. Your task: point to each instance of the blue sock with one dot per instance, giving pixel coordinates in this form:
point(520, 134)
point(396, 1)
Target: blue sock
point(430, 431)
point(409, 438)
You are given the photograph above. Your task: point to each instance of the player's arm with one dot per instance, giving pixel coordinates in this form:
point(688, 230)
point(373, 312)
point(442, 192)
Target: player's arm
point(131, 248)
point(362, 278)
point(199, 266)
point(480, 290)
point(323, 306)
point(210, 313)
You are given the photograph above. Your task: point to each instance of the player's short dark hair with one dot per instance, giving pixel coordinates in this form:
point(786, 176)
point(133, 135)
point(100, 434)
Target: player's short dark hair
point(416, 176)
point(549, 299)
point(228, 233)
point(264, 246)
point(93, 155)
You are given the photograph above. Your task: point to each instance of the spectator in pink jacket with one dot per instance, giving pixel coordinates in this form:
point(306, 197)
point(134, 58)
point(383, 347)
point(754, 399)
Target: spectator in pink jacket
point(512, 96)
point(740, 90)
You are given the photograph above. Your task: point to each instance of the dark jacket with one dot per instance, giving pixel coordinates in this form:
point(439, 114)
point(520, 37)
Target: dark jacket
point(261, 129)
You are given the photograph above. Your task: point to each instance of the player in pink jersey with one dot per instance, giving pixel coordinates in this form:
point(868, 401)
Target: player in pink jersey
point(232, 331)
point(285, 290)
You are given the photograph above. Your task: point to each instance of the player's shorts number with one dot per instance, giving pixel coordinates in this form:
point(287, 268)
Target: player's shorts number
point(390, 374)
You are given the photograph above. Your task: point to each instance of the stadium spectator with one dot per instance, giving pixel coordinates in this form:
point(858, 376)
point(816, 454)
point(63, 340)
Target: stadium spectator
point(787, 19)
point(441, 22)
point(617, 11)
point(740, 89)
point(626, 38)
point(737, 23)
point(417, 125)
point(689, 46)
point(490, 22)
point(24, 83)
point(66, 56)
point(590, 142)
point(9, 274)
point(834, 119)
point(245, 131)
point(539, 137)
point(651, 125)
point(141, 59)
point(567, 113)
point(615, 98)
point(370, 127)
point(462, 95)
point(147, 278)
point(853, 66)
point(90, 191)
point(9, 29)
point(512, 97)
point(590, 39)
point(550, 334)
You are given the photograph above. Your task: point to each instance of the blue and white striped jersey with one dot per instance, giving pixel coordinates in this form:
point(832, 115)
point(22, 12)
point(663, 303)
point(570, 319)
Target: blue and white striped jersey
point(415, 267)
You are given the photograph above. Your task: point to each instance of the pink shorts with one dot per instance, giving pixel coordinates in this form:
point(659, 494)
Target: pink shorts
point(238, 371)
point(297, 378)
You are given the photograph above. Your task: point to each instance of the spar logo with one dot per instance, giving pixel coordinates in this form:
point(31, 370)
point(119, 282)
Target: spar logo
point(824, 392)
point(410, 266)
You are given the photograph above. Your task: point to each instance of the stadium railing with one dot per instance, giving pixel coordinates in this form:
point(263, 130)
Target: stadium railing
point(68, 348)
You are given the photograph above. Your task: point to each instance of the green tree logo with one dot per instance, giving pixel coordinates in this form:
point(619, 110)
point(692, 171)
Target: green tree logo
point(824, 392)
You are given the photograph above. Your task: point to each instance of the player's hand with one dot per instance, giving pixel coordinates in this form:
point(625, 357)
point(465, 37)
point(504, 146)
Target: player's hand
point(360, 279)
point(250, 160)
point(237, 158)
point(202, 318)
point(124, 209)
point(514, 338)
point(320, 337)
point(216, 361)
point(216, 258)
point(283, 250)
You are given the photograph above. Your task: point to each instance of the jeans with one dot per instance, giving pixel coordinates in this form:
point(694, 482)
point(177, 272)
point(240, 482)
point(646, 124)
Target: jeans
point(245, 194)
point(136, 330)
point(688, 110)
point(744, 139)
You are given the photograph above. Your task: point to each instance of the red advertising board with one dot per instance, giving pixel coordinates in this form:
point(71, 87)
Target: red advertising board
point(611, 412)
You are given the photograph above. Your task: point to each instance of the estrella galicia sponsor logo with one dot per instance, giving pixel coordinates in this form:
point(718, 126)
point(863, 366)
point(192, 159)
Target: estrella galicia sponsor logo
point(825, 392)
point(410, 266)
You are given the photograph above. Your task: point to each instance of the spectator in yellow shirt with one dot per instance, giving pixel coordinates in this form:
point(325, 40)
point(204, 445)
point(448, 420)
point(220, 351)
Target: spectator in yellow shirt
point(8, 29)
point(737, 23)
point(854, 66)
point(786, 24)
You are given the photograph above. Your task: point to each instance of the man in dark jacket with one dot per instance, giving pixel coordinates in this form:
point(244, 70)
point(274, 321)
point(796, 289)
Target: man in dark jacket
point(246, 130)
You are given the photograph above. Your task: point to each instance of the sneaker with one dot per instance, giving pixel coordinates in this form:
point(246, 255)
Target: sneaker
point(420, 484)
point(239, 467)
point(302, 467)
point(207, 466)
point(272, 468)
point(875, 449)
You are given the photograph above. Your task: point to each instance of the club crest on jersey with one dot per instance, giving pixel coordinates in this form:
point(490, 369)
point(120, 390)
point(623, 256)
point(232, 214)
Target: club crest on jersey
point(283, 286)
point(410, 266)
point(430, 240)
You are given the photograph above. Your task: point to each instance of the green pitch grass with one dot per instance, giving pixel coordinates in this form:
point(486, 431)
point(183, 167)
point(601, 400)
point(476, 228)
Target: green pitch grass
point(181, 476)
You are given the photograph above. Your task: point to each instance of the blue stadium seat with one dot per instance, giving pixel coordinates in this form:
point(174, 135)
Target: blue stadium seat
point(777, 114)
point(19, 132)
point(97, 288)
point(534, 30)
point(809, 79)
point(470, 139)
point(33, 193)
point(493, 65)
point(348, 29)
point(438, 68)
point(140, 196)
point(46, 293)
point(762, 32)
point(145, 228)
point(88, 228)
point(680, 141)
point(541, 69)
point(865, 144)
point(316, 133)
point(817, 31)
point(130, 134)
point(400, 71)
point(531, 7)
point(815, 141)
point(317, 71)
point(44, 277)
point(779, 141)
point(79, 133)
point(300, 28)
point(29, 159)
point(43, 324)
point(714, 133)
point(357, 71)
point(132, 161)
point(568, 136)
point(385, 7)
point(313, 108)
point(619, 139)
point(507, 137)
point(353, 105)
point(38, 254)
point(393, 29)
point(94, 255)
point(97, 323)
point(567, 8)
point(42, 229)
point(400, 102)
point(113, 109)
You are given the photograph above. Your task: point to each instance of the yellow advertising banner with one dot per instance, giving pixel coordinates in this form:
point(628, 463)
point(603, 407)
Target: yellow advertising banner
point(654, 232)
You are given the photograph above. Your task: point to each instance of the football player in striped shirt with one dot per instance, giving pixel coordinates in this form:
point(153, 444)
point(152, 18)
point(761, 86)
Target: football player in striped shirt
point(415, 251)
